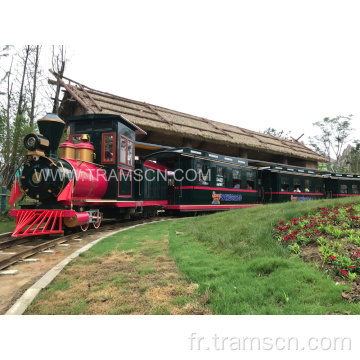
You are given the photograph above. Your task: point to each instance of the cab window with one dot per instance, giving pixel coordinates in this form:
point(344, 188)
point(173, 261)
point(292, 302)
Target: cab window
point(126, 151)
point(108, 148)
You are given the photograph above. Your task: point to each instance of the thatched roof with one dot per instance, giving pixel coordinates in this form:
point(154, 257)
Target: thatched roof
point(169, 122)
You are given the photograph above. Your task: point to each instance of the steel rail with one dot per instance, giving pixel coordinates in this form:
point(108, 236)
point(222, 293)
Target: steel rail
point(34, 250)
point(13, 241)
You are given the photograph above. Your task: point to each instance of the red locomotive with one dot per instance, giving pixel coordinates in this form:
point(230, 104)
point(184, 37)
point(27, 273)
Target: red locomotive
point(93, 176)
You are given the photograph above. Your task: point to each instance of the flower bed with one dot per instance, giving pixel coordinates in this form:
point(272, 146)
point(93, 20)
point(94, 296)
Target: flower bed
point(335, 232)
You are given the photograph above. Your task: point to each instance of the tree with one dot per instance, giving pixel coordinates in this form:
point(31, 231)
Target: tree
point(4, 52)
point(58, 66)
point(35, 66)
point(276, 133)
point(14, 113)
point(335, 133)
point(352, 159)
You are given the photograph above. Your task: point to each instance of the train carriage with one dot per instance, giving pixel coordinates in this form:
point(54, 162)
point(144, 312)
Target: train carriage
point(202, 181)
point(282, 183)
point(342, 185)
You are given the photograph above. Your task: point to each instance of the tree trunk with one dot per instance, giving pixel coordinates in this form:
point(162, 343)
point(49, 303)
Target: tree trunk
point(36, 65)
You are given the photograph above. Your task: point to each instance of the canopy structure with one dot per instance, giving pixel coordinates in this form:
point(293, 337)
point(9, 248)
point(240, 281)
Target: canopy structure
point(166, 127)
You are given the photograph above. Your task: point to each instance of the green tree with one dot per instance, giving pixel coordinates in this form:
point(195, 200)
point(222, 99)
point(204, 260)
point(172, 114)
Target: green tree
point(334, 134)
point(353, 159)
point(276, 133)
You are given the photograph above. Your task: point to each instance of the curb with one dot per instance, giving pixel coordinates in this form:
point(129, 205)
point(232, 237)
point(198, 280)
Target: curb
point(30, 294)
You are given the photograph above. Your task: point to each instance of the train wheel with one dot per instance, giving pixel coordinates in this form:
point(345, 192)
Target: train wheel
point(97, 225)
point(84, 227)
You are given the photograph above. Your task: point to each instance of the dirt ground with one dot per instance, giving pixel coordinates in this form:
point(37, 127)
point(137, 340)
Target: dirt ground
point(13, 286)
point(138, 281)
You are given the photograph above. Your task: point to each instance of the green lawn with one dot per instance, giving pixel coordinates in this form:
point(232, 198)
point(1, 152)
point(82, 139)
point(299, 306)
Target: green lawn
point(6, 225)
point(233, 255)
point(230, 258)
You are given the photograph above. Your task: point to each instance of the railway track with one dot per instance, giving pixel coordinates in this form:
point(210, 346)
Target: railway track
point(4, 263)
point(7, 242)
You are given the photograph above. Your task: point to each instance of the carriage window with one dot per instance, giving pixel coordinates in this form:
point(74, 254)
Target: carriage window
point(236, 174)
point(108, 147)
point(250, 180)
point(318, 186)
point(355, 189)
point(220, 176)
point(343, 188)
point(284, 183)
point(203, 173)
point(307, 185)
point(250, 185)
point(297, 188)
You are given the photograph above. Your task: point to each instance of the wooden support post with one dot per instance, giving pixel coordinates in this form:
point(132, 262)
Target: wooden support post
point(186, 142)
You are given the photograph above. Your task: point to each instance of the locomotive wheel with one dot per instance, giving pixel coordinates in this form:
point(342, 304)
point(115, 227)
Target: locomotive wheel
point(84, 227)
point(96, 225)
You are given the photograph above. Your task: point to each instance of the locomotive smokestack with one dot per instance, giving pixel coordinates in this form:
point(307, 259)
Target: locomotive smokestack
point(52, 127)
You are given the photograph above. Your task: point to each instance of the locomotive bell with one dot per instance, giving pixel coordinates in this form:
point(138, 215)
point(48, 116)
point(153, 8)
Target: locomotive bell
point(52, 128)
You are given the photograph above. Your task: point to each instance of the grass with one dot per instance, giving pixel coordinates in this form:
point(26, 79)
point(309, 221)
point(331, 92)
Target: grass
point(128, 273)
point(229, 264)
point(6, 224)
point(234, 257)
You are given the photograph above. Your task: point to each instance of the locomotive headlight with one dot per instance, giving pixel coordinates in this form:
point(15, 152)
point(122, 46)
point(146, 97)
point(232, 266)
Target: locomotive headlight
point(31, 141)
point(35, 141)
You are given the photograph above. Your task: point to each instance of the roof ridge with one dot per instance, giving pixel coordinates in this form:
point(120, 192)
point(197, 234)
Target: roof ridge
point(156, 113)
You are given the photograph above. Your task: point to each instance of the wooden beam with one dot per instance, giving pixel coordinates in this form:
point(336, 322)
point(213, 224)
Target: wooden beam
point(201, 145)
point(81, 102)
point(90, 97)
point(186, 142)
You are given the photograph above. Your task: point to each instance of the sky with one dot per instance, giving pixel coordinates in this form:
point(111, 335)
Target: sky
point(254, 64)
point(257, 64)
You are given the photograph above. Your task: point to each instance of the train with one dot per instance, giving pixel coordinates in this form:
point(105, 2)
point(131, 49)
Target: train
point(95, 175)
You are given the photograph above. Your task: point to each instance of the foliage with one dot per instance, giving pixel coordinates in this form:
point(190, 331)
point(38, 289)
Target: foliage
point(352, 165)
point(276, 133)
point(330, 229)
point(334, 134)
point(24, 95)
